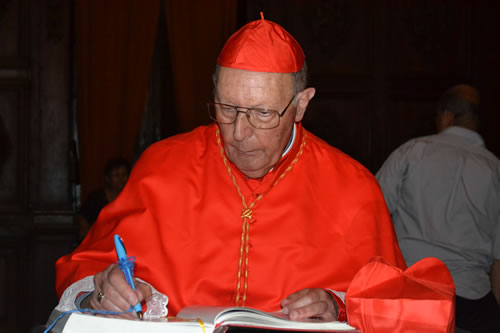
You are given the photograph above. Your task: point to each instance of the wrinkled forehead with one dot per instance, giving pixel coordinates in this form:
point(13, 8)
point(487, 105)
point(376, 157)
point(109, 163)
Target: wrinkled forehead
point(230, 80)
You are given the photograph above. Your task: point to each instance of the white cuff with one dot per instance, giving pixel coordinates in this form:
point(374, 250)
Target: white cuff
point(156, 304)
point(339, 294)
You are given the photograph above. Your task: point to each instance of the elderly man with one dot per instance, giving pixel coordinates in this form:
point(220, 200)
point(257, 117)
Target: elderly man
point(443, 192)
point(252, 210)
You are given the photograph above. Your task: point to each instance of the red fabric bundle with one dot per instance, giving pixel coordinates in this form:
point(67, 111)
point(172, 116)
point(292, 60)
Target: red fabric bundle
point(384, 298)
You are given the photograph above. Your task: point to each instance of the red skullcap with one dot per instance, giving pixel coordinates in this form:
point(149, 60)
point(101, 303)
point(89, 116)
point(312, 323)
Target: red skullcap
point(262, 46)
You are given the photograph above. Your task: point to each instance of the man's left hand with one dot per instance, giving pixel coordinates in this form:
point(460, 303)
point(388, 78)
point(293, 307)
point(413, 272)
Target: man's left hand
point(309, 303)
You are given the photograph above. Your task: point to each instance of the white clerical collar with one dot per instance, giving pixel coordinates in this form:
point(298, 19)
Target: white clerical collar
point(289, 144)
point(291, 141)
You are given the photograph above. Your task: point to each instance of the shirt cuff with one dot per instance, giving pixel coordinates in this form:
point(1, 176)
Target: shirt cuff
point(79, 299)
point(337, 296)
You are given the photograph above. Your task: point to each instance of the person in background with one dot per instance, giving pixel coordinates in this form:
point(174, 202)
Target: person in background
point(116, 175)
point(252, 210)
point(443, 192)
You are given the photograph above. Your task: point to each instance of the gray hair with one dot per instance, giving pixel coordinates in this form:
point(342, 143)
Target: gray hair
point(299, 79)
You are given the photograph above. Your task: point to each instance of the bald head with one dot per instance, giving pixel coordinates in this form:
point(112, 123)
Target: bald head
point(459, 106)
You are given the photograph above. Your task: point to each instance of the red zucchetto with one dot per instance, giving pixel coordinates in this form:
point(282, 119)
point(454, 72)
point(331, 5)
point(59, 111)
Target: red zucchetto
point(262, 46)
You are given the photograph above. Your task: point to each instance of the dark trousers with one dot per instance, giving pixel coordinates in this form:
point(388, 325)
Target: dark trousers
point(480, 315)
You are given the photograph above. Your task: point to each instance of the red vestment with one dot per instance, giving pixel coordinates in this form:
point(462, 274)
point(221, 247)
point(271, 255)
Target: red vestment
point(180, 216)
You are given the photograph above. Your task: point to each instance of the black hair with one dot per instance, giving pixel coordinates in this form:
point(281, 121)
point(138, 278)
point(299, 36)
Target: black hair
point(462, 105)
point(116, 163)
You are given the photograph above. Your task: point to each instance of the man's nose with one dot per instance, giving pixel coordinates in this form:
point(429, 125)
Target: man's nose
point(242, 127)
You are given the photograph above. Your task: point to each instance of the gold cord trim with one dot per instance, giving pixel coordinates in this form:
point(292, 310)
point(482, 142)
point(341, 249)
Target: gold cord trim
point(246, 216)
point(202, 325)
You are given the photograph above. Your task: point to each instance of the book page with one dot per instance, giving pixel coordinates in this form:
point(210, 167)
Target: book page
point(85, 323)
point(206, 313)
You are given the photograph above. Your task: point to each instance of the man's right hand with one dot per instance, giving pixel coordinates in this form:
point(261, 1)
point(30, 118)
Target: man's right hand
point(118, 295)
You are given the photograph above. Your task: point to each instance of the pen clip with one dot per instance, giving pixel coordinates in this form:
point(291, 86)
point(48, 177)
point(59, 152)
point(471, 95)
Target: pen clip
point(122, 244)
point(120, 248)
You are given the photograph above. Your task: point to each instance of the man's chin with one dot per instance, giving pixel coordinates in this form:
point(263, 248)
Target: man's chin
point(247, 164)
point(251, 171)
point(255, 174)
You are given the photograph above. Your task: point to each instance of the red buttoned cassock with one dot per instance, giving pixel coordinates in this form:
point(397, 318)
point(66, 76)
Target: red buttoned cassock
point(311, 222)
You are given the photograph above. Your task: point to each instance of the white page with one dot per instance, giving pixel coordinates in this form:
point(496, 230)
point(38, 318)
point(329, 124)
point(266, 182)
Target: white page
point(85, 323)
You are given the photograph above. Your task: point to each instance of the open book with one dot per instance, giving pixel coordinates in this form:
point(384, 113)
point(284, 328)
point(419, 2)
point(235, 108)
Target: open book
point(218, 319)
point(202, 319)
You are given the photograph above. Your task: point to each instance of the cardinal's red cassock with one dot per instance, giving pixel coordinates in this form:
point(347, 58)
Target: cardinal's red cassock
point(202, 233)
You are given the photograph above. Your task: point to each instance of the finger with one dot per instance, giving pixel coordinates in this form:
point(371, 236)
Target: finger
point(144, 291)
point(310, 303)
point(114, 300)
point(313, 310)
point(293, 297)
point(104, 303)
point(125, 295)
point(107, 304)
point(317, 303)
point(303, 298)
point(112, 283)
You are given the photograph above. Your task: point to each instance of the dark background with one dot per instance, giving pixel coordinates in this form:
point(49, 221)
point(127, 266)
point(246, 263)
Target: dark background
point(378, 67)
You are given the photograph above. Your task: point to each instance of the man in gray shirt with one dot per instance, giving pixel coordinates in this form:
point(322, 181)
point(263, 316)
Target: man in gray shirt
point(443, 192)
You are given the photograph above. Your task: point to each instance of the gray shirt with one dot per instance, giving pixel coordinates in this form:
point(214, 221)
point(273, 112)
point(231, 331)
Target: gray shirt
point(443, 192)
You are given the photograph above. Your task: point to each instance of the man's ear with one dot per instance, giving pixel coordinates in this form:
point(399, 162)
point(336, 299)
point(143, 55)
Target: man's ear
point(445, 120)
point(303, 100)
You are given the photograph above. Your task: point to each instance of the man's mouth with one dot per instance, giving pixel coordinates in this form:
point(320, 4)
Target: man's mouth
point(244, 151)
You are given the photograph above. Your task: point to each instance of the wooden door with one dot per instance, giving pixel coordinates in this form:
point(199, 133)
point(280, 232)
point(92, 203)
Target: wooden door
point(36, 201)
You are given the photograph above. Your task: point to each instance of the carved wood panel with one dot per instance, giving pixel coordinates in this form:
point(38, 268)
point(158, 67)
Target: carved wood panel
point(51, 108)
point(13, 147)
point(36, 217)
point(47, 244)
point(409, 119)
point(338, 40)
point(402, 54)
point(348, 125)
point(427, 38)
point(14, 50)
point(13, 284)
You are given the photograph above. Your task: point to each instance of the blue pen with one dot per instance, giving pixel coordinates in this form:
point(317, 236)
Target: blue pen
point(126, 266)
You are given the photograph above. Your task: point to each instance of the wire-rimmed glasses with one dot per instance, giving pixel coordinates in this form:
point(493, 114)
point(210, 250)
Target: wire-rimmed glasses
point(260, 118)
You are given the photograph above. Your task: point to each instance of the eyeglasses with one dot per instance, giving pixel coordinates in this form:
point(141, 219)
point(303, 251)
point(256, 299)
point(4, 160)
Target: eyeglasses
point(257, 117)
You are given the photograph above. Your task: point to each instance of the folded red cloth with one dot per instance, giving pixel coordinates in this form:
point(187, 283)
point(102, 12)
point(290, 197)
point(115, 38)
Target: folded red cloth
point(384, 298)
